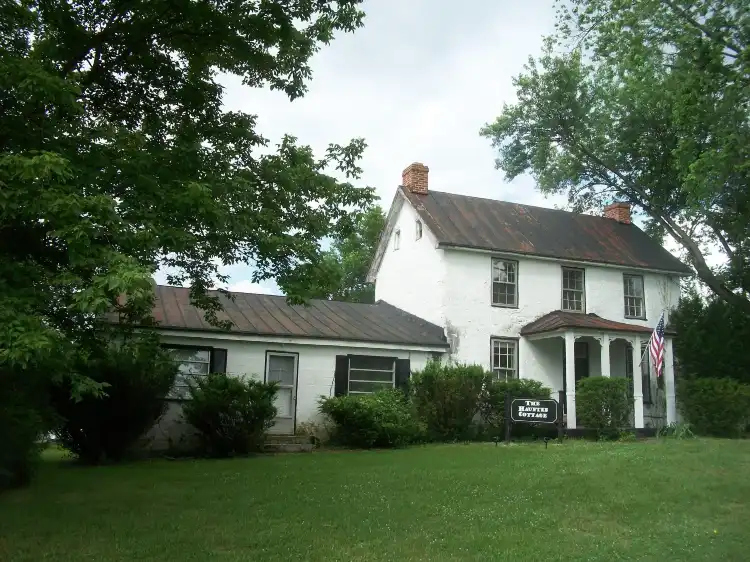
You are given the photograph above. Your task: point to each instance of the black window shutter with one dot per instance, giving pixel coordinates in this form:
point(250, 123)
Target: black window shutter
point(341, 376)
point(218, 360)
point(403, 372)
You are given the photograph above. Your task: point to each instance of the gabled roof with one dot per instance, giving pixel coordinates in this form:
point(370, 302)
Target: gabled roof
point(461, 221)
point(558, 320)
point(256, 314)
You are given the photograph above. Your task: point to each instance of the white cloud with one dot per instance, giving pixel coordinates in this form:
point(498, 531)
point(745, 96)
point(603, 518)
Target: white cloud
point(247, 286)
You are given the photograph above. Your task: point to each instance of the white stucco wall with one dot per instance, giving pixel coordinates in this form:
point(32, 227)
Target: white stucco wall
point(316, 366)
point(472, 320)
point(411, 277)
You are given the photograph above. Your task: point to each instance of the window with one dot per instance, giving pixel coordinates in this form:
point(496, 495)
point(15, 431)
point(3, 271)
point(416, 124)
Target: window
point(504, 283)
point(504, 359)
point(191, 363)
point(397, 239)
point(645, 370)
point(418, 228)
point(573, 293)
point(634, 306)
point(282, 369)
point(370, 373)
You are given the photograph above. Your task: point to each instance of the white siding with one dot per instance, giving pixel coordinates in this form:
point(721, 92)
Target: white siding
point(411, 277)
point(316, 366)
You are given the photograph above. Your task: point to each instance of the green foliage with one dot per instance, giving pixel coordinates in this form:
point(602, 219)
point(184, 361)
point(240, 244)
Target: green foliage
point(231, 415)
point(715, 406)
point(712, 340)
point(350, 257)
point(382, 419)
point(136, 376)
point(604, 404)
point(645, 102)
point(446, 398)
point(24, 419)
point(676, 430)
point(117, 159)
point(492, 399)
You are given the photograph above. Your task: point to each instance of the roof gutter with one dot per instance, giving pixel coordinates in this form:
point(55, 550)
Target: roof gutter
point(445, 246)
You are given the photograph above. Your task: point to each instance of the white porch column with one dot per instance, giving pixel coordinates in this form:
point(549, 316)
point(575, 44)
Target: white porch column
point(570, 378)
point(637, 384)
point(606, 367)
point(669, 381)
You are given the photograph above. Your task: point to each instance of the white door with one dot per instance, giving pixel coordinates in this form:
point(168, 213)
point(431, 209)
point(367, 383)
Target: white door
point(282, 369)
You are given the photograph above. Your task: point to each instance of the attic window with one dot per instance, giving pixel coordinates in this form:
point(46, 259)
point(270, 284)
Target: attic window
point(397, 239)
point(418, 227)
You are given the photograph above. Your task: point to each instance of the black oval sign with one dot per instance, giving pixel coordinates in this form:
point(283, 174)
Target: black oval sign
point(531, 410)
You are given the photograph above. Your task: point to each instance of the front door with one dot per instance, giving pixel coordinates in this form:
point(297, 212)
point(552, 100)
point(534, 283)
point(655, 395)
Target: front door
point(282, 368)
point(581, 360)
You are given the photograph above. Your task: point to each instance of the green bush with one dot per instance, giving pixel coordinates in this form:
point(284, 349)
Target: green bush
point(137, 375)
point(446, 398)
point(604, 404)
point(715, 406)
point(676, 430)
point(230, 414)
point(382, 419)
point(492, 400)
point(24, 418)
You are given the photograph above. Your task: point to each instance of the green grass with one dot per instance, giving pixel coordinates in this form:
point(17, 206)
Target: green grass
point(665, 501)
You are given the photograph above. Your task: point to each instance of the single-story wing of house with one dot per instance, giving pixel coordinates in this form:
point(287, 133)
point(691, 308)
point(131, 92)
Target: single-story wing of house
point(324, 348)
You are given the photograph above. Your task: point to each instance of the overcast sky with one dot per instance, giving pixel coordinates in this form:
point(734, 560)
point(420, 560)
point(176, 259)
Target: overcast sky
point(417, 82)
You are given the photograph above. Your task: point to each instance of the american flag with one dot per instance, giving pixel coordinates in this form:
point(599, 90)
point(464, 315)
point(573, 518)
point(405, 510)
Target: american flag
point(656, 346)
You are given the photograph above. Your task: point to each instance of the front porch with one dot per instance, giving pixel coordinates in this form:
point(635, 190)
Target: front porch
point(566, 347)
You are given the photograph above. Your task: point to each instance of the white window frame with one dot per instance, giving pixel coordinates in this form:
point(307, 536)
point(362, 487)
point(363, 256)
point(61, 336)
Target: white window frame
point(501, 373)
point(582, 290)
point(180, 388)
point(635, 298)
point(349, 378)
point(293, 386)
point(397, 239)
point(418, 229)
point(514, 282)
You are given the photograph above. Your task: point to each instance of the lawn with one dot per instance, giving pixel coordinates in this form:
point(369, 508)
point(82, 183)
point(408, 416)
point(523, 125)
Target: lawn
point(665, 501)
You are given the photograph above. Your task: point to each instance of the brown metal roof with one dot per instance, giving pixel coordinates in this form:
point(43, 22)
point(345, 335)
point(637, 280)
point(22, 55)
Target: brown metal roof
point(558, 320)
point(487, 224)
point(256, 314)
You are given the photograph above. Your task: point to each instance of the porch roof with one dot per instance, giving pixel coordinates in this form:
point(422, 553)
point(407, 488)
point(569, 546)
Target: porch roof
point(558, 320)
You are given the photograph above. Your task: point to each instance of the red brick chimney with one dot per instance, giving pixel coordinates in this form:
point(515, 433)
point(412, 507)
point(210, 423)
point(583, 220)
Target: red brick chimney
point(619, 211)
point(414, 178)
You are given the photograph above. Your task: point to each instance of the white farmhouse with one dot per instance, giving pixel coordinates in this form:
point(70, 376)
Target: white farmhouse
point(532, 292)
point(524, 291)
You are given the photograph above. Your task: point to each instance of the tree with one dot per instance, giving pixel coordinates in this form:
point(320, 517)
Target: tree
point(116, 158)
point(645, 102)
point(349, 259)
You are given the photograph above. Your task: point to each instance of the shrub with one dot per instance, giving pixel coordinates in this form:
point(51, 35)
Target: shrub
point(715, 406)
point(492, 399)
point(446, 398)
point(382, 419)
point(137, 374)
point(676, 430)
point(230, 414)
point(603, 404)
point(24, 418)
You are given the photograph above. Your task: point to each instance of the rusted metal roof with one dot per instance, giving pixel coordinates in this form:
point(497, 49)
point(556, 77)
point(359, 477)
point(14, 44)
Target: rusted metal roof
point(256, 314)
point(472, 222)
point(558, 320)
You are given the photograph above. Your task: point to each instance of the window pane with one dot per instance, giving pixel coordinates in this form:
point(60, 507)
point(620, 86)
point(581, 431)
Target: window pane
point(504, 293)
point(504, 271)
point(371, 362)
point(193, 368)
point(281, 369)
point(363, 375)
point(504, 357)
point(361, 387)
point(178, 354)
point(284, 403)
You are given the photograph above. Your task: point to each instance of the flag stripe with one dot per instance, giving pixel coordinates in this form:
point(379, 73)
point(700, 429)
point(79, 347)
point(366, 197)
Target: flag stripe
point(656, 346)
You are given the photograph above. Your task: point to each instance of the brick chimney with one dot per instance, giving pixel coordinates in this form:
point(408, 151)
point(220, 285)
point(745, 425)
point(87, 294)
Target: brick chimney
point(619, 211)
point(414, 178)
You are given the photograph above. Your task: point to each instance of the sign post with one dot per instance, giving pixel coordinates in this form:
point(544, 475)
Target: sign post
point(532, 410)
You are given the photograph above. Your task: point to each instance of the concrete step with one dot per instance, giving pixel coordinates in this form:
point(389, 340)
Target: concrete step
point(287, 444)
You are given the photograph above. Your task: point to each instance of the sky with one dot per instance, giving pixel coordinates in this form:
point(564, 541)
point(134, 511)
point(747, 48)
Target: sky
point(417, 82)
